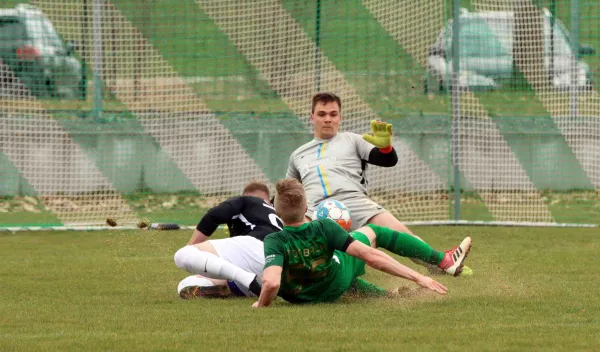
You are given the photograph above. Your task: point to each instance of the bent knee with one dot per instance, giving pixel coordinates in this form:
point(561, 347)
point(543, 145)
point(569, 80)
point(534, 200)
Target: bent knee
point(181, 256)
point(367, 231)
point(207, 247)
point(386, 219)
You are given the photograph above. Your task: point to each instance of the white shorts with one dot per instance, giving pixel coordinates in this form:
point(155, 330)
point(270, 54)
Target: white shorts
point(245, 252)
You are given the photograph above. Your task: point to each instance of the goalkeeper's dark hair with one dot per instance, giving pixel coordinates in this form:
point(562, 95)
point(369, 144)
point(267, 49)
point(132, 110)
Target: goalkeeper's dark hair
point(290, 200)
point(254, 186)
point(324, 98)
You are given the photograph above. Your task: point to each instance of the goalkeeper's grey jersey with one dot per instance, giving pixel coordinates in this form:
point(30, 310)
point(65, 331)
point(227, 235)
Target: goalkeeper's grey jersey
point(328, 167)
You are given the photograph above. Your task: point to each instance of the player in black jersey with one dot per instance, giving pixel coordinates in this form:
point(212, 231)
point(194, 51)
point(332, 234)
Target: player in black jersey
point(228, 267)
point(250, 214)
point(235, 264)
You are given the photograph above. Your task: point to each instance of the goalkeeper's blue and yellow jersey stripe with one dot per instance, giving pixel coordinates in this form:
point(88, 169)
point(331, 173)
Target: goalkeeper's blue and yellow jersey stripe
point(330, 167)
point(321, 171)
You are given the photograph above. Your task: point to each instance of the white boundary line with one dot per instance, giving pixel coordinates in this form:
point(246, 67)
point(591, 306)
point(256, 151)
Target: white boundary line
point(413, 223)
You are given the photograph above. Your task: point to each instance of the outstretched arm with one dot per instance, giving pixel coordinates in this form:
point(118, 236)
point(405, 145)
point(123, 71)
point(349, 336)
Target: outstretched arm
point(383, 262)
point(383, 154)
point(274, 258)
point(379, 158)
point(270, 287)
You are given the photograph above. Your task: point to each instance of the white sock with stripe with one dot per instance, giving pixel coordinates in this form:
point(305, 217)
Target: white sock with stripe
point(203, 263)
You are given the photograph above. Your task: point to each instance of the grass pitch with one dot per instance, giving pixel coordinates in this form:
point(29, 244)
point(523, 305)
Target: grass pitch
point(533, 289)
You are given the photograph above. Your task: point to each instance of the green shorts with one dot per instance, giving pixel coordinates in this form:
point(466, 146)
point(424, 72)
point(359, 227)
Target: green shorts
point(348, 269)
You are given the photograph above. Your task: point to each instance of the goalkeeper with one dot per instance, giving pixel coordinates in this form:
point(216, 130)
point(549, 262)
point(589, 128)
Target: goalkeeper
point(318, 261)
point(334, 165)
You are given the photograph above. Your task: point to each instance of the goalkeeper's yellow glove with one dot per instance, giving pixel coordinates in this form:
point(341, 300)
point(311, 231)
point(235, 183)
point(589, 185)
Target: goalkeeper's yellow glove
point(382, 136)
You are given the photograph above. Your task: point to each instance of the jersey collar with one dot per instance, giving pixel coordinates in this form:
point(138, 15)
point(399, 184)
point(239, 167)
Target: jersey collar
point(297, 228)
point(322, 140)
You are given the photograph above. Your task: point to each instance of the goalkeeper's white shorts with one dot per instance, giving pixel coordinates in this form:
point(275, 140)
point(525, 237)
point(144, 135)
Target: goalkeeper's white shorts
point(361, 207)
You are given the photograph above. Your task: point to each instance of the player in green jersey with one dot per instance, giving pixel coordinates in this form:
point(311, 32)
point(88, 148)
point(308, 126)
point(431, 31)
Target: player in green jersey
point(318, 261)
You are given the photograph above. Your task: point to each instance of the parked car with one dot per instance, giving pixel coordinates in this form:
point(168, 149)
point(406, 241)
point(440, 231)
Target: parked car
point(31, 48)
point(486, 53)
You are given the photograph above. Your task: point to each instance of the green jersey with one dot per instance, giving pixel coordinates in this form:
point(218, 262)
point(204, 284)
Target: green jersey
point(306, 254)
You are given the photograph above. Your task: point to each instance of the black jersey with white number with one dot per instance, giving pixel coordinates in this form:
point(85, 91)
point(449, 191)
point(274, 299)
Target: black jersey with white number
point(244, 216)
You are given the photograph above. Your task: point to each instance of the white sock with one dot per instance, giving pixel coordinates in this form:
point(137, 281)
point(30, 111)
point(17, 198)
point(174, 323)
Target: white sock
point(203, 263)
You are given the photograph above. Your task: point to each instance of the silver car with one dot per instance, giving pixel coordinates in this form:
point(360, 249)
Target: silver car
point(33, 53)
point(486, 46)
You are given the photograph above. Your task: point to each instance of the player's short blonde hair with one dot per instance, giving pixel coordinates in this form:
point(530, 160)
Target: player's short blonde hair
point(290, 200)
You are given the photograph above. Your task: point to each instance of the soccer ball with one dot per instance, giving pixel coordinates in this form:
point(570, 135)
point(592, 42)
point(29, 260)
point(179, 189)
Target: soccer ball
point(334, 210)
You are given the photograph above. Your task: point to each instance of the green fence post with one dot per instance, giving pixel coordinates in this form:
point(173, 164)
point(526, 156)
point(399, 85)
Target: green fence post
point(83, 49)
point(454, 130)
point(318, 43)
point(552, 24)
point(98, 56)
point(575, 14)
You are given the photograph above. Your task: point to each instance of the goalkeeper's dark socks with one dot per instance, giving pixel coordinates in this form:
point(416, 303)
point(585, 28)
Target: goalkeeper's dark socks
point(405, 245)
point(255, 287)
